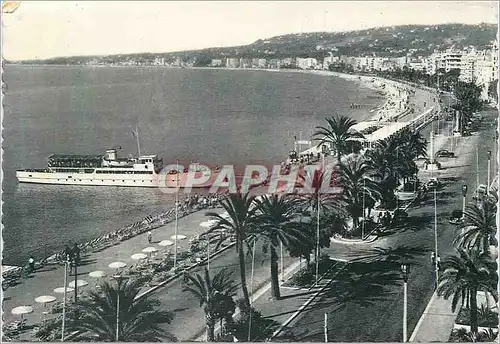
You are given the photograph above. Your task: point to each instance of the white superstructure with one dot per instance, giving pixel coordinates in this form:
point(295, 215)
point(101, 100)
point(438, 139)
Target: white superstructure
point(106, 170)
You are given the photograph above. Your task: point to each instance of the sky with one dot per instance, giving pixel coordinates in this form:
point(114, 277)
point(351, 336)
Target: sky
point(43, 29)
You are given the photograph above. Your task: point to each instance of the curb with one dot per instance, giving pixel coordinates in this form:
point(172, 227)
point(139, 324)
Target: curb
point(422, 317)
point(179, 274)
point(305, 304)
point(354, 241)
point(260, 290)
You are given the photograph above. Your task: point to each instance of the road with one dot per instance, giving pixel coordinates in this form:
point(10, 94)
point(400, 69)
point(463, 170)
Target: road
point(373, 304)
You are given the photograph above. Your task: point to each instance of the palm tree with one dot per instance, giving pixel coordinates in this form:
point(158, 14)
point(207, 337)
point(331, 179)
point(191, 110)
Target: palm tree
point(212, 293)
point(339, 134)
point(355, 179)
point(93, 318)
point(479, 227)
point(278, 224)
point(469, 272)
point(242, 218)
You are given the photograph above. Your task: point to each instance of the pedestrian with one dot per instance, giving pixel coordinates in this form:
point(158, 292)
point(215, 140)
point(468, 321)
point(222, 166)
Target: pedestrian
point(31, 264)
point(433, 258)
point(68, 257)
point(76, 255)
point(439, 262)
point(150, 237)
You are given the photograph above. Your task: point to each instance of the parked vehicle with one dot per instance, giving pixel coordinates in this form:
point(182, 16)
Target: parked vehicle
point(444, 153)
point(433, 183)
point(456, 217)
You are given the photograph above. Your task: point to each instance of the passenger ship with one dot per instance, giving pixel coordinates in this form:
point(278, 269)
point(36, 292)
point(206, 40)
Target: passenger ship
point(107, 170)
point(111, 170)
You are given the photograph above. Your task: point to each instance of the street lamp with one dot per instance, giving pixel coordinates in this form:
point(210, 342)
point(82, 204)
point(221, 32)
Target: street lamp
point(66, 262)
point(464, 193)
point(436, 266)
point(405, 269)
point(119, 278)
point(489, 167)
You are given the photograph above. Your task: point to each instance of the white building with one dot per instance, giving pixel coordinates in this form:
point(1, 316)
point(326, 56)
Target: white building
point(216, 63)
point(232, 62)
point(306, 63)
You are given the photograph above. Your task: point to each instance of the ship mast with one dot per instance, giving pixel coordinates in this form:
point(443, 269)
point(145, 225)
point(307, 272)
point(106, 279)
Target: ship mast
point(136, 135)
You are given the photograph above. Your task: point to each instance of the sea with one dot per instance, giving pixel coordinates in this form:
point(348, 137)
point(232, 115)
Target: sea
point(213, 117)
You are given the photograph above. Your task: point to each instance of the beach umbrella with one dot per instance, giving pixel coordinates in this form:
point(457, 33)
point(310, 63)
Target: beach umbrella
point(166, 243)
point(208, 224)
point(138, 256)
point(117, 265)
point(45, 299)
point(22, 310)
point(60, 290)
point(79, 283)
point(97, 274)
point(178, 237)
point(149, 249)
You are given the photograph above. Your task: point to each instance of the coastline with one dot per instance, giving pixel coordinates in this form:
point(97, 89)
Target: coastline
point(362, 81)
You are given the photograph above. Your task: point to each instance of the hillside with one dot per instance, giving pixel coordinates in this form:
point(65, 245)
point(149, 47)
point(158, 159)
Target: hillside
point(383, 41)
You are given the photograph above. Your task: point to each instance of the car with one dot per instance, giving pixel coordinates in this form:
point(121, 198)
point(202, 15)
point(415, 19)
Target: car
point(433, 183)
point(444, 153)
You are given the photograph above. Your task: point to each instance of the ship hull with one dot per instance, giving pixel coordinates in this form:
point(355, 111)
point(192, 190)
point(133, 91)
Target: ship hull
point(102, 179)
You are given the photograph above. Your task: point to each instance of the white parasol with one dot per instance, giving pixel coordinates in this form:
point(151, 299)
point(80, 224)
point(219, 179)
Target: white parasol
point(117, 265)
point(21, 310)
point(79, 283)
point(150, 249)
point(138, 256)
point(178, 237)
point(60, 290)
point(45, 299)
point(97, 274)
point(166, 243)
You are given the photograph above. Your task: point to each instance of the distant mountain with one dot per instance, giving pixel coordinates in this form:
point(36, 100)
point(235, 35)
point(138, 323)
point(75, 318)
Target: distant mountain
point(382, 41)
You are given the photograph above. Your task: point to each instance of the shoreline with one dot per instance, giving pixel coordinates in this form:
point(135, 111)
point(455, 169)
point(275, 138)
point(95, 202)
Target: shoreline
point(363, 81)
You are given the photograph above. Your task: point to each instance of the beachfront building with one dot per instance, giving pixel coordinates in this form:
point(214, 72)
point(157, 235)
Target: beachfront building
point(306, 63)
point(329, 60)
point(287, 62)
point(262, 63)
point(232, 62)
point(273, 64)
point(216, 63)
point(159, 61)
point(245, 63)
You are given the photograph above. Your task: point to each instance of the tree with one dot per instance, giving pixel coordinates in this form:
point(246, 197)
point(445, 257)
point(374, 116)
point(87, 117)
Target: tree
point(469, 101)
point(242, 218)
point(216, 295)
point(479, 227)
point(94, 317)
point(339, 134)
point(357, 183)
point(278, 224)
point(469, 272)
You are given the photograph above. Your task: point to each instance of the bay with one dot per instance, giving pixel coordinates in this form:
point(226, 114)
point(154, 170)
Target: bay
point(213, 117)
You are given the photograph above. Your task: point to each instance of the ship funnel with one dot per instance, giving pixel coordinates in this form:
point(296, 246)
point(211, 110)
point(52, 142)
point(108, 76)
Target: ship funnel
point(110, 154)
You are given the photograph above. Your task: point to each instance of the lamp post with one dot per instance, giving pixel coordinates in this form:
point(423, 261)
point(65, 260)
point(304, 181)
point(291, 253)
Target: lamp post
point(64, 298)
point(119, 278)
point(405, 269)
point(436, 267)
point(176, 212)
point(489, 170)
point(464, 193)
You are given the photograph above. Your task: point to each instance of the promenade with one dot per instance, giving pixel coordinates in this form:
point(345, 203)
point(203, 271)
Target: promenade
point(188, 323)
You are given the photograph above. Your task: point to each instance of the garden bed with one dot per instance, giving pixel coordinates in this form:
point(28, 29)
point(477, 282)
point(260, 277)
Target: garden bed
point(485, 318)
point(306, 276)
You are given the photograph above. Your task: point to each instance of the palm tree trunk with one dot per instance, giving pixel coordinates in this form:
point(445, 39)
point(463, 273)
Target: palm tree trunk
point(210, 328)
point(486, 245)
point(241, 257)
point(339, 156)
point(473, 311)
point(467, 305)
point(275, 287)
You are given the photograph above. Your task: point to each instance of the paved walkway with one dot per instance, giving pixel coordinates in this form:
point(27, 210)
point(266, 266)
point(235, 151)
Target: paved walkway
point(436, 322)
point(45, 280)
